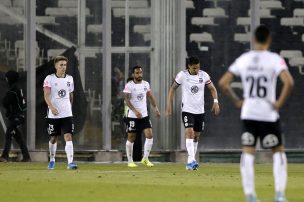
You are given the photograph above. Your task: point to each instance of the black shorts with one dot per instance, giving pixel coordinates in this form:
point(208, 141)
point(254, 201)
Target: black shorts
point(61, 125)
point(135, 125)
point(195, 121)
point(269, 133)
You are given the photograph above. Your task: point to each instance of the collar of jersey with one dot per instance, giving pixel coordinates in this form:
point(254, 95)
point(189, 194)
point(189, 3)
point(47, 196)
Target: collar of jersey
point(60, 77)
point(191, 74)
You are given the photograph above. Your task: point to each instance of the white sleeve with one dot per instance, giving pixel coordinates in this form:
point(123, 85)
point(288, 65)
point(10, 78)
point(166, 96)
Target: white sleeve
point(280, 65)
point(179, 78)
point(47, 82)
point(235, 67)
point(127, 88)
point(71, 85)
point(207, 78)
point(148, 87)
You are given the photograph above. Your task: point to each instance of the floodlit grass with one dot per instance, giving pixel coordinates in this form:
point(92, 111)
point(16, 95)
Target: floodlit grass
point(25, 182)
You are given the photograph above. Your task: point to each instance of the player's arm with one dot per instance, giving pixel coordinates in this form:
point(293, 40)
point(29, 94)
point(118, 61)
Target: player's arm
point(171, 94)
point(130, 105)
point(224, 84)
point(215, 107)
point(288, 84)
point(47, 98)
point(9, 101)
point(71, 98)
point(153, 103)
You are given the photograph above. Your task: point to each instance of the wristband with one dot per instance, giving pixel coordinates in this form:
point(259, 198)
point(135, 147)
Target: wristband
point(215, 101)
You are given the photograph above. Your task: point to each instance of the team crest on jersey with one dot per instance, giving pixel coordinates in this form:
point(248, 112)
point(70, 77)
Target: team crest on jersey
point(68, 84)
point(200, 80)
point(140, 97)
point(62, 93)
point(145, 88)
point(194, 89)
point(56, 84)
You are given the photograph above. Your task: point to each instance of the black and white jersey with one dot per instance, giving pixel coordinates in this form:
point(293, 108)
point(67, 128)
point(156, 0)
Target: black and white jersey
point(60, 94)
point(193, 88)
point(138, 93)
point(259, 71)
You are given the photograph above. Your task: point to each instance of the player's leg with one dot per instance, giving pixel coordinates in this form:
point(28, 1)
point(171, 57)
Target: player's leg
point(279, 173)
point(131, 128)
point(198, 127)
point(53, 130)
point(188, 121)
point(195, 141)
point(52, 150)
point(129, 149)
point(247, 172)
point(147, 128)
point(273, 139)
point(8, 142)
point(249, 137)
point(17, 122)
point(69, 150)
point(22, 145)
point(68, 130)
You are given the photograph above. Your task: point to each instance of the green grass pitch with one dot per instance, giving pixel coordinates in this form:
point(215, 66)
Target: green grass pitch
point(166, 182)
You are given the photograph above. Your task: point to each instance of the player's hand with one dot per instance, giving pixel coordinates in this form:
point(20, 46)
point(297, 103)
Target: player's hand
point(238, 104)
point(54, 111)
point(138, 114)
point(276, 105)
point(215, 108)
point(157, 113)
point(168, 111)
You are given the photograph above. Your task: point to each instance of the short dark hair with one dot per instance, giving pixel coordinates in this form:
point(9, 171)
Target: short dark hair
point(136, 67)
point(261, 34)
point(193, 60)
point(60, 58)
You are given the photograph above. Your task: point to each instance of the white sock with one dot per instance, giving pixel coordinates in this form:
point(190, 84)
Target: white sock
point(52, 149)
point(247, 172)
point(190, 149)
point(129, 150)
point(195, 144)
point(69, 151)
point(280, 171)
point(147, 147)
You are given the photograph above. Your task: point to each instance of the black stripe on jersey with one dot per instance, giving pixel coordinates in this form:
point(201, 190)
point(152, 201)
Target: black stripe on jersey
point(176, 82)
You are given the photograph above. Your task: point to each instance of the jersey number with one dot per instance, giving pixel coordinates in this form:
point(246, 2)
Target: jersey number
point(132, 124)
point(257, 86)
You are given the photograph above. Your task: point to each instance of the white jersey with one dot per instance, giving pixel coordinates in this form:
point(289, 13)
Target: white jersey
point(259, 71)
point(60, 94)
point(193, 88)
point(138, 93)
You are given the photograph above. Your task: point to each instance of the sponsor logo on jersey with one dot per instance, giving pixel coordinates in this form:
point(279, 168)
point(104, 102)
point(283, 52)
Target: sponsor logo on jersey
point(140, 97)
point(194, 89)
point(62, 93)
